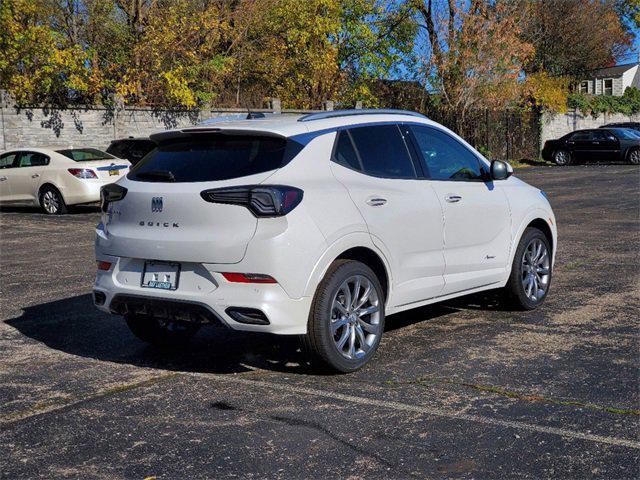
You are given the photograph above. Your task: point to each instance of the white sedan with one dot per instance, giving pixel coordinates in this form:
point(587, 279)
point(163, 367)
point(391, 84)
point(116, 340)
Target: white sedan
point(54, 179)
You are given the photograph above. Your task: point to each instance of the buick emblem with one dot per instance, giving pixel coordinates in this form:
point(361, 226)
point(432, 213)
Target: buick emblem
point(156, 204)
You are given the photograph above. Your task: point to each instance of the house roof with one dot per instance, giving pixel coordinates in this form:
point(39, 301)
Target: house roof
point(613, 71)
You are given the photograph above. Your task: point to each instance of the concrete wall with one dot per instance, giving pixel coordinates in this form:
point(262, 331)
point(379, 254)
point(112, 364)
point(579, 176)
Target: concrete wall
point(555, 126)
point(91, 126)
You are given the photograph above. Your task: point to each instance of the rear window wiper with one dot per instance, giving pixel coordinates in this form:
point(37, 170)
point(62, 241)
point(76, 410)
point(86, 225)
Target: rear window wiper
point(157, 176)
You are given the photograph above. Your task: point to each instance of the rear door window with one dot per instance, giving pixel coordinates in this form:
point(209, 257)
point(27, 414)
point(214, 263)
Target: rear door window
point(214, 157)
point(33, 159)
point(383, 152)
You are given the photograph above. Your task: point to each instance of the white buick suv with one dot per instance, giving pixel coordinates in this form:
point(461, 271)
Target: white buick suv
point(319, 226)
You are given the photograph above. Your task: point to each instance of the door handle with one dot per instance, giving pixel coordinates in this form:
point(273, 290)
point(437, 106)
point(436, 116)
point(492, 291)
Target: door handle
point(376, 201)
point(35, 175)
point(451, 198)
point(595, 143)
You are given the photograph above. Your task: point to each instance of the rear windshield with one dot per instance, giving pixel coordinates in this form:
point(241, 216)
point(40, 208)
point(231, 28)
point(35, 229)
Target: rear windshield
point(627, 133)
point(85, 154)
point(216, 157)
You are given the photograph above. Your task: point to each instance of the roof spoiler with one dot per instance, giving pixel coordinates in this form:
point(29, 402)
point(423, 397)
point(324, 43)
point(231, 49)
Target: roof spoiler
point(203, 131)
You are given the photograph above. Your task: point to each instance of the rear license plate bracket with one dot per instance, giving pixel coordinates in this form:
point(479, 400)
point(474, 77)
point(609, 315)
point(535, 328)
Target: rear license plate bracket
point(160, 275)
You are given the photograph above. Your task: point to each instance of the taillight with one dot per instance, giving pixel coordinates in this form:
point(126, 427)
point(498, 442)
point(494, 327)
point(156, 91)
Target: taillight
point(82, 172)
point(261, 200)
point(102, 265)
point(248, 277)
point(111, 193)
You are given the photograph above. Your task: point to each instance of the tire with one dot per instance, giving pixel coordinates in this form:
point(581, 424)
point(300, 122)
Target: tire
point(562, 158)
point(51, 201)
point(340, 335)
point(527, 288)
point(633, 157)
point(161, 333)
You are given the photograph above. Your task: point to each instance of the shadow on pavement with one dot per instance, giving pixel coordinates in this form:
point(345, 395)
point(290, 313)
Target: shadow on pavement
point(72, 209)
point(74, 326)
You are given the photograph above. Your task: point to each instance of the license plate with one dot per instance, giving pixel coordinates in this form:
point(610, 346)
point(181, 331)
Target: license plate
point(114, 172)
point(162, 275)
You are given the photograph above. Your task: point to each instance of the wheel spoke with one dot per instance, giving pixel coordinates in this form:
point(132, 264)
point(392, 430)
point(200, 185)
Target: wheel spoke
point(343, 338)
point(365, 296)
point(337, 305)
point(362, 340)
point(338, 323)
point(352, 341)
point(347, 295)
point(356, 293)
point(369, 327)
point(367, 311)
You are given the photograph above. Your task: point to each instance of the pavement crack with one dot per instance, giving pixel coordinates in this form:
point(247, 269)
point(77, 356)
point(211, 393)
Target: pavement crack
point(520, 395)
point(44, 407)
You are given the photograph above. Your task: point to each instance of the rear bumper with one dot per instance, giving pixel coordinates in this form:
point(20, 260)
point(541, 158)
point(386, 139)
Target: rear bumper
point(203, 295)
point(82, 191)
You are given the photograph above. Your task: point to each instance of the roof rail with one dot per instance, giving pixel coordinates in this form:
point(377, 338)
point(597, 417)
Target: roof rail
point(362, 111)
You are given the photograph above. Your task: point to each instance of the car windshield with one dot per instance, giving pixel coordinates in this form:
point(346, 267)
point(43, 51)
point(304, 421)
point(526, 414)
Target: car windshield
point(85, 154)
point(627, 133)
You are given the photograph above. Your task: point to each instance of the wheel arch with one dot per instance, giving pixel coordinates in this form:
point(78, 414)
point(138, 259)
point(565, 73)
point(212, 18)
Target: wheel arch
point(543, 226)
point(355, 246)
point(373, 261)
point(52, 185)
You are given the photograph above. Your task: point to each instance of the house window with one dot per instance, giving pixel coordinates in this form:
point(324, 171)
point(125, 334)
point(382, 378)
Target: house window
point(584, 86)
point(607, 86)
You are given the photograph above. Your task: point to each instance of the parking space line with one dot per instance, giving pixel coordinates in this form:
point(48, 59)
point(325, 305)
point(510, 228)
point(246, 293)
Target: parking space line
point(438, 412)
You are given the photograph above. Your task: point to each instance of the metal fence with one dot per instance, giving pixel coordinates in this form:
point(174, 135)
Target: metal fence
point(503, 135)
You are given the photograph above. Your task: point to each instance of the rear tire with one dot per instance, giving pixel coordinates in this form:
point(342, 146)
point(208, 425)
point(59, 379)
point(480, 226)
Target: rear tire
point(346, 320)
point(531, 271)
point(562, 158)
point(161, 333)
point(634, 156)
point(52, 202)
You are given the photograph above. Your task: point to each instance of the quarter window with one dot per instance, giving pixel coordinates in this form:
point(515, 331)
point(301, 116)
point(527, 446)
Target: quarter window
point(445, 158)
point(345, 154)
point(383, 152)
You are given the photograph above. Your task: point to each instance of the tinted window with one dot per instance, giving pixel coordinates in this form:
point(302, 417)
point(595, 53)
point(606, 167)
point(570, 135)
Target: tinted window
point(7, 160)
point(119, 149)
point(445, 158)
point(627, 133)
point(582, 136)
point(383, 152)
point(214, 157)
point(33, 159)
point(345, 154)
point(85, 154)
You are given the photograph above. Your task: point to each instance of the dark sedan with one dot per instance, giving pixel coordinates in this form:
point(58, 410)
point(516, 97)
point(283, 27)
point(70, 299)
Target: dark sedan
point(632, 125)
point(601, 144)
point(132, 149)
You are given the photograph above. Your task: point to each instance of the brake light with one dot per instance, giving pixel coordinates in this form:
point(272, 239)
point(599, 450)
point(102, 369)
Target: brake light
point(102, 265)
point(248, 278)
point(261, 200)
point(82, 172)
point(111, 193)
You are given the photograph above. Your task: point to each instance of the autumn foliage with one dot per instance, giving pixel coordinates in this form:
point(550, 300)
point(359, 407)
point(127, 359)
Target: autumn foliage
point(467, 54)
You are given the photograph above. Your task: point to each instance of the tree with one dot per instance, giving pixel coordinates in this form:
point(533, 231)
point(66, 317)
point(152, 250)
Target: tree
point(475, 54)
point(572, 37)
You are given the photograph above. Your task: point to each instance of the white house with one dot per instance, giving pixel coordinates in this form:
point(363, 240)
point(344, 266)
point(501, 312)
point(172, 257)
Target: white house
point(611, 80)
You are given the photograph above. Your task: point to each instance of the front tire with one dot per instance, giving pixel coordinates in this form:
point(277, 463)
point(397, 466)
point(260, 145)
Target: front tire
point(159, 332)
point(52, 202)
point(346, 321)
point(634, 156)
point(562, 158)
point(531, 271)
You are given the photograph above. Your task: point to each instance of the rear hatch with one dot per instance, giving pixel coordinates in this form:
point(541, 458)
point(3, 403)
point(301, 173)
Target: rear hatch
point(163, 216)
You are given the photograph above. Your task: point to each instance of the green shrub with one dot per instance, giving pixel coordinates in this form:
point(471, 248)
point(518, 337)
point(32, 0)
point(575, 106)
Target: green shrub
point(594, 105)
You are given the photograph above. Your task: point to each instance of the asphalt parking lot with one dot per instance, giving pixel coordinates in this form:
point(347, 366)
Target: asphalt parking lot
point(465, 389)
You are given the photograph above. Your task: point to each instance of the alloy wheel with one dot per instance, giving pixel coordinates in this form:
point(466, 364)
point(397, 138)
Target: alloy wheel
point(355, 317)
point(562, 157)
point(634, 157)
point(536, 270)
point(50, 202)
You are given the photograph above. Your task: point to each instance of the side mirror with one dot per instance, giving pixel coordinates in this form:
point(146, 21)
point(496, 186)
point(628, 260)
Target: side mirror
point(500, 170)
